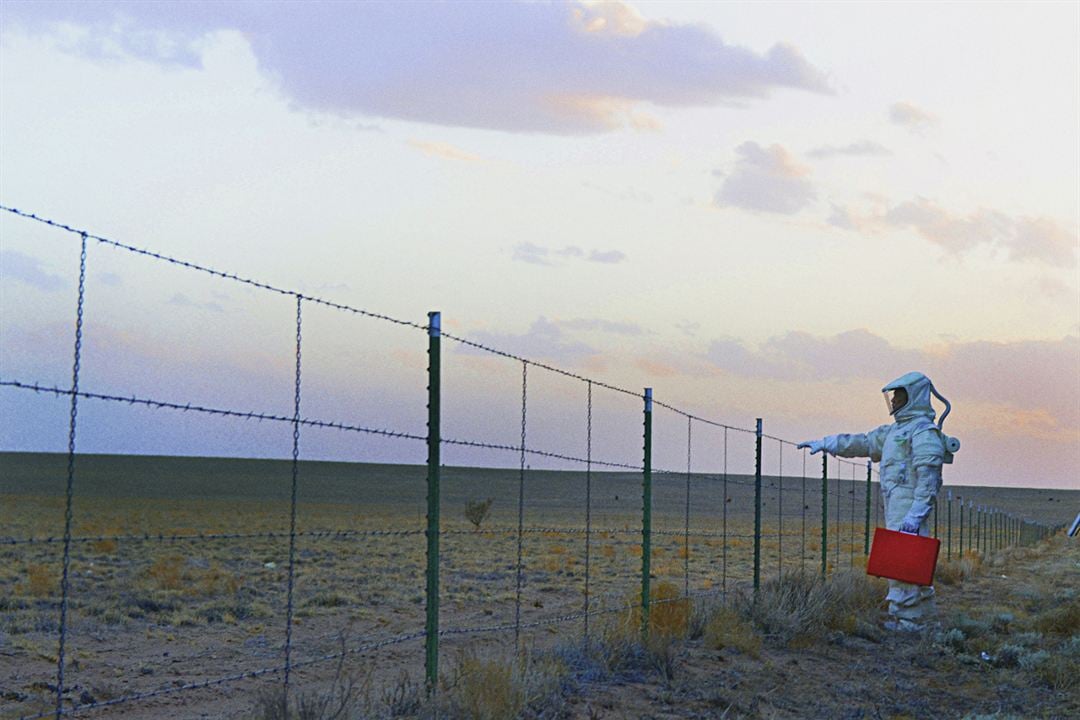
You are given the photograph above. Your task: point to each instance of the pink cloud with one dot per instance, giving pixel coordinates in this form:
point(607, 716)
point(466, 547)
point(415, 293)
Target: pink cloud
point(563, 67)
point(1022, 239)
point(766, 180)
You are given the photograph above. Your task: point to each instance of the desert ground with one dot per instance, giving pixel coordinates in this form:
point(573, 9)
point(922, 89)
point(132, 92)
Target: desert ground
point(179, 569)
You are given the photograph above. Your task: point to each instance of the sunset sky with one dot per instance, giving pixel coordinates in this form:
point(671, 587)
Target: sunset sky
point(758, 209)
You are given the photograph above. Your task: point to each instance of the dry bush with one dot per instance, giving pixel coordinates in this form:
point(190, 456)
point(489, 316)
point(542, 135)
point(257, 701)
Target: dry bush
point(669, 614)
point(167, 572)
point(1063, 620)
point(173, 573)
point(41, 581)
point(608, 551)
point(496, 687)
point(216, 580)
point(726, 628)
point(800, 607)
point(476, 511)
point(952, 572)
point(104, 547)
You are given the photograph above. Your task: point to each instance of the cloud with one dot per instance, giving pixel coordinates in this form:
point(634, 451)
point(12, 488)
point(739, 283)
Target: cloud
point(527, 252)
point(601, 325)
point(544, 340)
point(563, 68)
point(862, 148)
point(182, 300)
point(911, 116)
point(1034, 383)
point(766, 180)
point(533, 254)
point(29, 271)
point(952, 232)
point(443, 151)
point(607, 257)
point(801, 356)
point(1023, 239)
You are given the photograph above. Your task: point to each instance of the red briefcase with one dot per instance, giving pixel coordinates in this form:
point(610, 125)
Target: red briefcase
point(903, 556)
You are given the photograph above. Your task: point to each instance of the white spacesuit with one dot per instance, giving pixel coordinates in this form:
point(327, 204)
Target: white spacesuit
point(911, 451)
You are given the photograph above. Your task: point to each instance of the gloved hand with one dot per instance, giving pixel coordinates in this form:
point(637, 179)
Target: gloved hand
point(815, 446)
point(910, 525)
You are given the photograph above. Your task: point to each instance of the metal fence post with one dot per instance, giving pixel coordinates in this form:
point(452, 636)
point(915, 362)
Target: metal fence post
point(971, 525)
point(646, 514)
point(960, 553)
point(431, 640)
point(757, 508)
point(978, 529)
point(824, 512)
point(866, 532)
point(948, 552)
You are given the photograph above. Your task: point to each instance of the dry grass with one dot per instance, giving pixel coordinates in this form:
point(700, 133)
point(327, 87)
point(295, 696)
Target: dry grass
point(1063, 621)
point(494, 687)
point(800, 608)
point(727, 628)
point(953, 572)
point(41, 581)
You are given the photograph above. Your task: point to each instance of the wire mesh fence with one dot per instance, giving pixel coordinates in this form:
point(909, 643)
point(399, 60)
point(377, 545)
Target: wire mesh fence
point(157, 577)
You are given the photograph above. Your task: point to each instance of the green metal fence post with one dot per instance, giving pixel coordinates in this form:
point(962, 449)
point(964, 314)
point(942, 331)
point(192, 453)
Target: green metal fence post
point(980, 534)
point(960, 554)
point(757, 509)
point(646, 514)
point(971, 526)
point(866, 533)
point(824, 513)
point(948, 526)
point(431, 639)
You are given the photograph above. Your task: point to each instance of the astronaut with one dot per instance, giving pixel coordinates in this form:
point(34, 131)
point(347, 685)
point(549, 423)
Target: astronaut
point(911, 451)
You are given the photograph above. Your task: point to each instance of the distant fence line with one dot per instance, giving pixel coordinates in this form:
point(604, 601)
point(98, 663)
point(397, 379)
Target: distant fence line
point(967, 527)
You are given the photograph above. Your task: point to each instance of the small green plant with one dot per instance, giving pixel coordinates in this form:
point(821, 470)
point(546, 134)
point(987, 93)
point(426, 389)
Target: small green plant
point(477, 511)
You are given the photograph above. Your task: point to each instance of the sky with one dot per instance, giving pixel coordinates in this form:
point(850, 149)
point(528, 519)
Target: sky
point(757, 209)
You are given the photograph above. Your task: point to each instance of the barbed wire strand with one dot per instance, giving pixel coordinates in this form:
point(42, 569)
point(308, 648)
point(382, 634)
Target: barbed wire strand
point(235, 677)
point(335, 425)
point(356, 534)
point(351, 309)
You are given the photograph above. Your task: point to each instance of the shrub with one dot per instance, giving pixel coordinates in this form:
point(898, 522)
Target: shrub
point(494, 687)
point(728, 629)
point(1063, 621)
point(40, 581)
point(476, 511)
point(800, 607)
point(167, 572)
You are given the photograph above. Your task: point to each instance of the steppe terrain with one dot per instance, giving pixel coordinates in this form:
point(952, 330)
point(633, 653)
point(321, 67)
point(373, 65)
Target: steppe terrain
point(178, 574)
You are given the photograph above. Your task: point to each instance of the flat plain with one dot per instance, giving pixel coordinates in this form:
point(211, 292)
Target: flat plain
point(179, 566)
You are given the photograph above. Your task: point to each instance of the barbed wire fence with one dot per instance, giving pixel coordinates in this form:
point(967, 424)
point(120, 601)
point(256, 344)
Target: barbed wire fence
point(700, 530)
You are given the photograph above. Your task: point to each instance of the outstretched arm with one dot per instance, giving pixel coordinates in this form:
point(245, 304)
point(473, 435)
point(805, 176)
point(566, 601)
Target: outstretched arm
point(848, 445)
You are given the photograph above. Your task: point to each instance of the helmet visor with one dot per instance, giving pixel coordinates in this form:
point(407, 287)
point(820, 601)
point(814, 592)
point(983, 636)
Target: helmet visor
point(895, 399)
